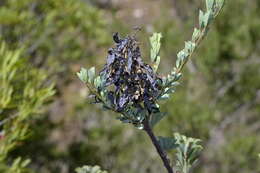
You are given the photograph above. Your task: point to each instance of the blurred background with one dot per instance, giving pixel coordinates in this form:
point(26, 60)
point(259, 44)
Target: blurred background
point(218, 100)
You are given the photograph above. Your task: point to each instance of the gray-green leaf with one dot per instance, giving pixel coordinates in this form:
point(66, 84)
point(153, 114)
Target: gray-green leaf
point(201, 19)
point(220, 3)
point(207, 17)
point(156, 63)
point(189, 46)
point(156, 117)
point(83, 75)
point(155, 41)
point(209, 4)
point(167, 143)
point(181, 57)
point(196, 34)
point(97, 82)
point(91, 74)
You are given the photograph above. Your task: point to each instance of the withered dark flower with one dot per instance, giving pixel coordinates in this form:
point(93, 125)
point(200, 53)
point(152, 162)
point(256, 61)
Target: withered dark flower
point(129, 81)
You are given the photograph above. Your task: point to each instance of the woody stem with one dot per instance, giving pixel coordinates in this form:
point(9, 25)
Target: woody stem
point(160, 151)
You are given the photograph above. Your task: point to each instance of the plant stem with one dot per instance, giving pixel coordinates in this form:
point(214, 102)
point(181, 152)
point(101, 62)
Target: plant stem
point(159, 149)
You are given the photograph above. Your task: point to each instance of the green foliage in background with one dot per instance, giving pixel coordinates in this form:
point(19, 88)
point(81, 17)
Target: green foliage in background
point(53, 32)
point(52, 35)
point(23, 91)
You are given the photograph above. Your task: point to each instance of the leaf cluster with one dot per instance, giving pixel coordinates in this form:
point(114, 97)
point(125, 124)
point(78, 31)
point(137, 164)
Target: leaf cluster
point(90, 169)
point(187, 152)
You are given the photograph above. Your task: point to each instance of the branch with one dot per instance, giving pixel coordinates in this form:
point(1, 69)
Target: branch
point(159, 149)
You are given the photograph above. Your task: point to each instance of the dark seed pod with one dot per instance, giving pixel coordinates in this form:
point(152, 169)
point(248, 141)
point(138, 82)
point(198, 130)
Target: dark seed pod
point(116, 37)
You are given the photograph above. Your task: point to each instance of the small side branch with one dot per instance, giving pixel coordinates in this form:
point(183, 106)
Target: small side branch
point(8, 119)
point(159, 149)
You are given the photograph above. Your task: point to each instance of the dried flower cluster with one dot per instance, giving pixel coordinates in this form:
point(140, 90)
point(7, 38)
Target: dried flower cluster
point(129, 80)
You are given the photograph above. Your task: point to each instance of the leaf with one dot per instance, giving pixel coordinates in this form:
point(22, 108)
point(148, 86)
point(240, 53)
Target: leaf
point(204, 19)
point(181, 58)
point(155, 41)
point(25, 163)
point(83, 75)
point(207, 18)
point(174, 84)
point(17, 161)
point(97, 82)
point(201, 19)
point(156, 64)
point(167, 143)
point(156, 117)
point(209, 4)
point(174, 77)
point(219, 4)
point(91, 74)
point(178, 63)
point(172, 89)
point(189, 46)
point(183, 54)
point(164, 97)
point(124, 120)
point(196, 34)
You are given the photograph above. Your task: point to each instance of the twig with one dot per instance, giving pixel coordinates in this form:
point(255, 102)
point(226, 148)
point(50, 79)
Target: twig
point(160, 151)
point(8, 119)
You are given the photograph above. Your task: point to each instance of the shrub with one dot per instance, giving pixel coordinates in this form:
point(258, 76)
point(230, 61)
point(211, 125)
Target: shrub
point(23, 92)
